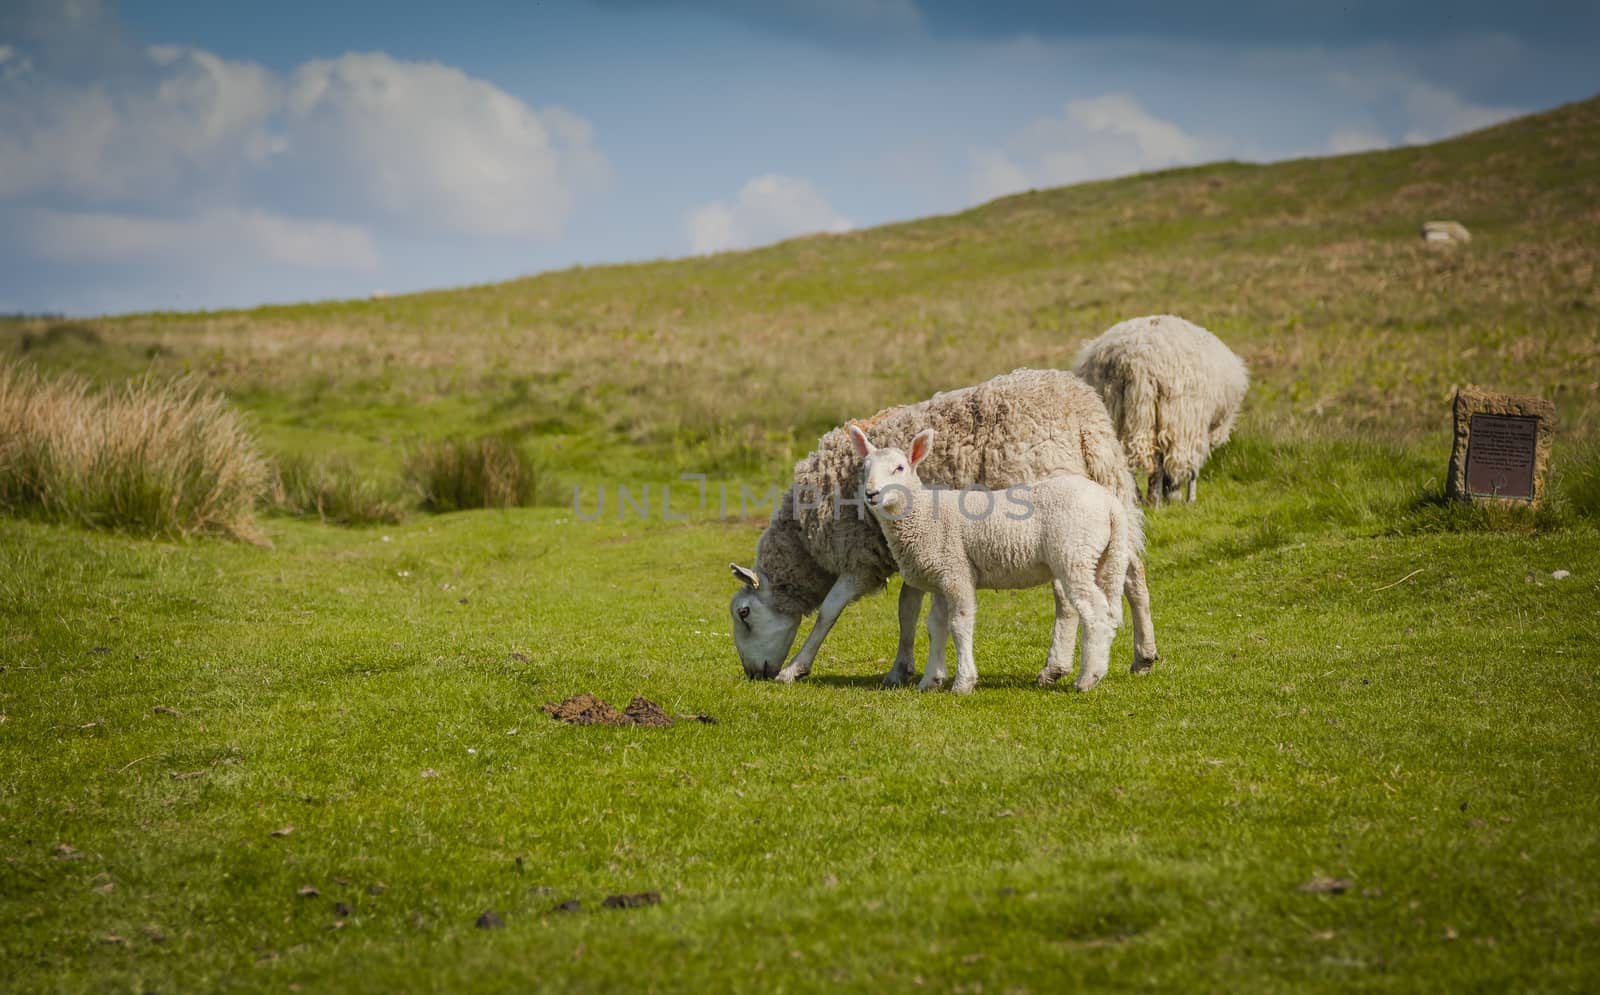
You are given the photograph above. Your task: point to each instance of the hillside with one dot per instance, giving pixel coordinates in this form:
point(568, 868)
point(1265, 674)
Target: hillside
point(323, 762)
point(1312, 269)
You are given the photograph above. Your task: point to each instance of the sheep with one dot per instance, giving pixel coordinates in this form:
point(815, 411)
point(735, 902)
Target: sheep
point(1173, 390)
point(1066, 530)
point(821, 550)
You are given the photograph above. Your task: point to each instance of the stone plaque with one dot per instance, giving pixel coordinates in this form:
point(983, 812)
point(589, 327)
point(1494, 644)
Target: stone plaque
point(1502, 447)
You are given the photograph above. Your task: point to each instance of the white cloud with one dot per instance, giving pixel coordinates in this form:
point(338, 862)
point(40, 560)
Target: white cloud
point(1344, 141)
point(104, 142)
point(428, 145)
point(766, 209)
point(1388, 82)
point(363, 139)
point(1109, 135)
point(224, 235)
point(1439, 113)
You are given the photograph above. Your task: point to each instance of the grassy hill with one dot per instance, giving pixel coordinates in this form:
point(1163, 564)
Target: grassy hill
point(1365, 761)
point(1312, 270)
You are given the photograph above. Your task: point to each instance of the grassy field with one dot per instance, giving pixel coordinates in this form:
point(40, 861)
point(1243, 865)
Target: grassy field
point(1366, 761)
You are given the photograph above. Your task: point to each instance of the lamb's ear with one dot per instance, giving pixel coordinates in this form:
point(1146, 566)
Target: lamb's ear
point(921, 446)
point(745, 574)
point(859, 440)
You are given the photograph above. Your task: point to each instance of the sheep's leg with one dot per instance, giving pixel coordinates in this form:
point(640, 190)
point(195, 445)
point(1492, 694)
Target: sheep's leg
point(938, 638)
point(1194, 482)
point(845, 590)
point(1155, 484)
point(963, 616)
point(1144, 630)
point(1098, 629)
point(1062, 639)
point(905, 655)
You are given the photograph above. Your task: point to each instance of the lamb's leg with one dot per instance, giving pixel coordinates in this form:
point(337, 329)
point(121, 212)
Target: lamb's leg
point(938, 638)
point(905, 655)
point(1062, 639)
point(845, 590)
point(1194, 482)
point(963, 616)
point(1144, 630)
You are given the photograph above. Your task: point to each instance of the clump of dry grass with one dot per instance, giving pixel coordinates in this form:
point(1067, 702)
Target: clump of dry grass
point(334, 490)
point(458, 474)
point(156, 457)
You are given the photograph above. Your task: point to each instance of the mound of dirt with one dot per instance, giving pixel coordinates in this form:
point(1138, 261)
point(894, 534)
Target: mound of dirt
point(644, 712)
point(587, 710)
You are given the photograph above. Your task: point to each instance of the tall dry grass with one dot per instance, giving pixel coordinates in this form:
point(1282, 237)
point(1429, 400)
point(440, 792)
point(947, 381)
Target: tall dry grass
point(155, 457)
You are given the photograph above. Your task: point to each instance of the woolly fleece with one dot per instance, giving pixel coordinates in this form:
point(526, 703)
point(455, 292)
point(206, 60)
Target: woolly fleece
point(1172, 388)
point(1018, 427)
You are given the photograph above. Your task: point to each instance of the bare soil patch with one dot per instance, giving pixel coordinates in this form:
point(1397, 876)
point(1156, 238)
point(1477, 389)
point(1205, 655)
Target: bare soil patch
point(587, 710)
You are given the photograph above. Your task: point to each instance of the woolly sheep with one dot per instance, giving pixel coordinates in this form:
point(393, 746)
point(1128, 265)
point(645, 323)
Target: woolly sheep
point(1173, 391)
point(819, 555)
point(1066, 531)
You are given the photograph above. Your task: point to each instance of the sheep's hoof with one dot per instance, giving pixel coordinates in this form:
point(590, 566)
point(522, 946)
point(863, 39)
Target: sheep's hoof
point(963, 688)
point(1143, 664)
point(1047, 679)
point(1087, 682)
point(789, 675)
point(930, 684)
point(896, 679)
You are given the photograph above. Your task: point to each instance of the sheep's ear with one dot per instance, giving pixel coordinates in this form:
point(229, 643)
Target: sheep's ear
point(863, 445)
point(921, 446)
point(745, 574)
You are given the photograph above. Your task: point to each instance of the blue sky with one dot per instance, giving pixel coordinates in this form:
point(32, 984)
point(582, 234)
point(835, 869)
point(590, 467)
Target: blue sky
point(189, 154)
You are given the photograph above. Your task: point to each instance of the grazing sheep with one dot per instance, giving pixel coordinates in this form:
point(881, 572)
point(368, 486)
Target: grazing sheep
point(1173, 391)
point(1445, 232)
point(1066, 531)
point(819, 554)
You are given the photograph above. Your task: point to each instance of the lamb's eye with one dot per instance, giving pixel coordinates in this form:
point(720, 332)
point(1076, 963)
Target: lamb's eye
point(744, 612)
point(900, 469)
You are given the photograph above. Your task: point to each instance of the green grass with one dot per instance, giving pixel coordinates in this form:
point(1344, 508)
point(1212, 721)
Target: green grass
point(379, 691)
point(1360, 680)
point(334, 489)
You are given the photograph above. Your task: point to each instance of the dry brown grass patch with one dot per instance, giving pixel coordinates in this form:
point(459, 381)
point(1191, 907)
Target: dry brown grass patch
point(154, 457)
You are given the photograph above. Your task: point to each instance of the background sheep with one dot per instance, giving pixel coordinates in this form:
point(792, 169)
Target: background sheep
point(1066, 531)
point(819, 556)
point(1173, 391)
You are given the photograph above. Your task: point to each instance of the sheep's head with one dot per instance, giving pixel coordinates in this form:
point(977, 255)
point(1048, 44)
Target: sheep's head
point(889, 475)
point(762, 633)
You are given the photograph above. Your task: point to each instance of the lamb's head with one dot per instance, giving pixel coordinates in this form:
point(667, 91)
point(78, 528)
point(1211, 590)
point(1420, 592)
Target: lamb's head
point(761, 632)
point(889, 475)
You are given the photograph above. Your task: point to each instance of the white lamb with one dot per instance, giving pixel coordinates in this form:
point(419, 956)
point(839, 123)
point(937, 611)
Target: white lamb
point(1066, 530)
point(1173, 390)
